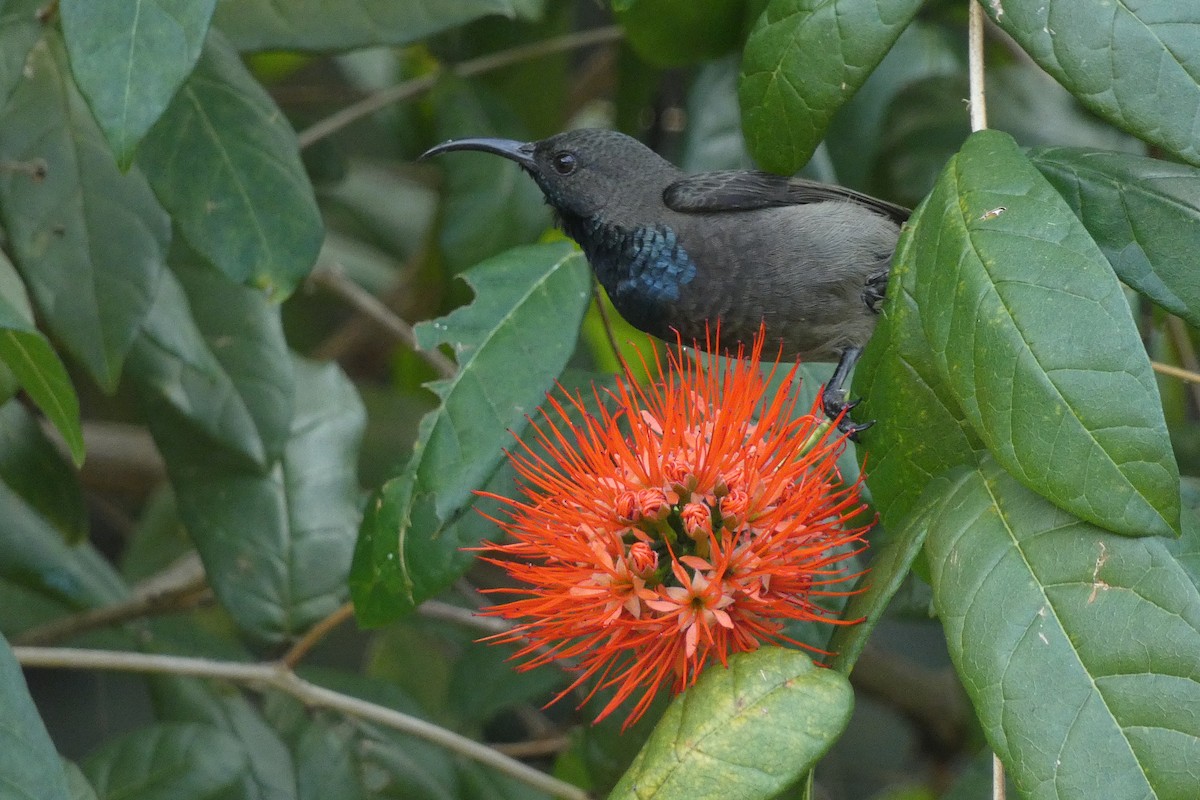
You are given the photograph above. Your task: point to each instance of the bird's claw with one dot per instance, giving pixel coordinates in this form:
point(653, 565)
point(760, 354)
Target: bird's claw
point(837, 408)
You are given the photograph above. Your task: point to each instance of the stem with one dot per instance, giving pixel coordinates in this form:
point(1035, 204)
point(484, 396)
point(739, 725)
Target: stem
point(315, 634)
point(493, 61)
point(1175, 372)
point(998, 788)
point(278, 676)
point(978, 102)
point(1181, 339)
point(369, 305)
point(598, 297)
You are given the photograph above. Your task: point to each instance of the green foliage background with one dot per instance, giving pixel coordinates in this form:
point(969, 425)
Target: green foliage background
point(250, 377)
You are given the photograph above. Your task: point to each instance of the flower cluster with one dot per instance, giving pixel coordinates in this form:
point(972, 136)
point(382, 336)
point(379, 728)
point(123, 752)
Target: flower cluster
point(681, 522)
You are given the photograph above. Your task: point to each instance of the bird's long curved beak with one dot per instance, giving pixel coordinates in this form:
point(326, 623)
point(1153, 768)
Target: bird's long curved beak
point(520, 152)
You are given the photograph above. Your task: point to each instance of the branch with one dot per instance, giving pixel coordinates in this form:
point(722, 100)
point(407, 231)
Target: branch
point(315, 634)
point(1175, 372)
point(278, 676)
point(370, 306)
point(978, 102)
point(493, 61)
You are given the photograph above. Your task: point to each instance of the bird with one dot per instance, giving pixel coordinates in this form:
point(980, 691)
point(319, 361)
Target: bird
point(679, 253)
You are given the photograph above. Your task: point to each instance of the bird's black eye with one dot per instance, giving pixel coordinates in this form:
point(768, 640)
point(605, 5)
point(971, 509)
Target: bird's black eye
point(563, 162)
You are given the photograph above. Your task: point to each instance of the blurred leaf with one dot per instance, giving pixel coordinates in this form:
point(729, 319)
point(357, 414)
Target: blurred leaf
point(31, 466)
point(1136, 65)
point(490, 204)
point(345, 25)
point(1080, 650)
point(33, 362)
point(668, 33)
point(478, 701)
point(19, 30)
point(713, 138)
point(1036, 341)
point(170, 761)
point(853, 136)
point(803, 60)
point(920, 430)
point(77, 784)
point(746, 731)
point(89, 241)
point(271, 774)
point(129, 58)
point(224, 161)
point(326, 756)
point(29, 764)
point(511, 343)
point(36, 557)
point(1143, 212)
point(244, 410)
point(290, 524)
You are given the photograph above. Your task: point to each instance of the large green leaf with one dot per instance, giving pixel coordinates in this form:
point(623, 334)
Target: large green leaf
point(1032, 333)
point(90, 242)
point(1080, 649)
point(1143, 212)
point(171, 761)
point(224, 161)
point(920, 431)
point(742, 733)
point(30, 768)
point(289, 524)
point(32, 360)
point(243, 413)
point(344, 24)
point(490, 205)
point(31, 466)
point(129, 57)
point(36, 557)
point(511, 343)
point(1135, 64)
point(803, 60)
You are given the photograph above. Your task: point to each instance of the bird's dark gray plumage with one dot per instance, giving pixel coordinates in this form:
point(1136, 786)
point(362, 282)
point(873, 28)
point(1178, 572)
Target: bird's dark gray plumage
point(678, 252)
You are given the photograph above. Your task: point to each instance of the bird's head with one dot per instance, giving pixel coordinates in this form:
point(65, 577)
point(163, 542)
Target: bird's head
point(583, 173)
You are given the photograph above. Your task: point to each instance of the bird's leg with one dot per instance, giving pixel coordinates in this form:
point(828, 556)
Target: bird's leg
point(833, 396)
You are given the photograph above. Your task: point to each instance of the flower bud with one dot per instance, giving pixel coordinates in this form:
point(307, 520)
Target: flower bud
point(642, 559)
point(697, 519)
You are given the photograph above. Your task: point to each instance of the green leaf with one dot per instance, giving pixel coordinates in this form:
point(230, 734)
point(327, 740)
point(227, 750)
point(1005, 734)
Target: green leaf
point(31, 466)
point(271, 774)
point(171, 761)
point(1135, 64)
point(920, 431)
point(511, 343)
point(77, 784)
point(129, 58)
point(742, 733)
point(803, 61)
point(29, 764)
point(33, 362)
point(89, 241)
point(1079, 649)
point(667, 33)
point(1033, 335)
point(1143, 212)
point(36, 557)
point(184, 385)
point(224, 161)
point(290, 524)
point(344, 24)
point(20, 28)
point(490, 204)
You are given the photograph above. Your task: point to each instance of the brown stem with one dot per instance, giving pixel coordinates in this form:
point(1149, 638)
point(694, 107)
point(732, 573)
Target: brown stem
point(315, 634)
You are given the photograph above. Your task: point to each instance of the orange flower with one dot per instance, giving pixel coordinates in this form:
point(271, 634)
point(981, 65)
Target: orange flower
point(686, 523)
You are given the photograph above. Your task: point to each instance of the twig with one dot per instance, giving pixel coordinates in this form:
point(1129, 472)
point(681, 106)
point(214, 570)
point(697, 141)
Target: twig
point(606, 321)
point(535, 748)
point(370, 306)
point(975, 67)
point(180, 587)
point(492, 61)
point(1175, 372)
point(1177, 330)
point(998, 788)
point(315, 634)
point(278, 676)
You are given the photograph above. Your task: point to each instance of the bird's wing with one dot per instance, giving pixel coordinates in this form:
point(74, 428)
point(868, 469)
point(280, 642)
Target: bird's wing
point(739, 190)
